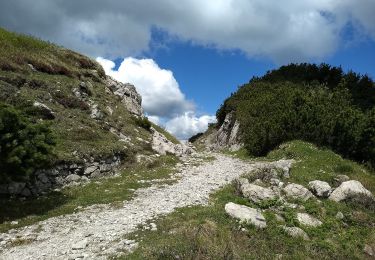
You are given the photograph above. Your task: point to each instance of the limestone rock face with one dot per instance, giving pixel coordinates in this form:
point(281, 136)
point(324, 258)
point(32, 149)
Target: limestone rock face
point(128, 94)
point(349, 189)
point(307, 220)
point(320, 188)
point(162, 145)
point(228, 134)
point(246, 214)
point(297, 191)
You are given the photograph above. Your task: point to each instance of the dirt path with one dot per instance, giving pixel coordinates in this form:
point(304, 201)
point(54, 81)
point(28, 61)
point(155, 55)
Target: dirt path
point(97, 232)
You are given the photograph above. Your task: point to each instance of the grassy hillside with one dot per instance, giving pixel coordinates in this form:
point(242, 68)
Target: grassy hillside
point(32, 70)
point(319, 104)
point(209, 233)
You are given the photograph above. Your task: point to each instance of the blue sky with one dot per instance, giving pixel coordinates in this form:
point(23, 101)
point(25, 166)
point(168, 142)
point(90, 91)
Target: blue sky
point(185, 57)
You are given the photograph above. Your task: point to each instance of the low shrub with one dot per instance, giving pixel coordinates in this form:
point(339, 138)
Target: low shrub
point(24, 146)
point(143, 122)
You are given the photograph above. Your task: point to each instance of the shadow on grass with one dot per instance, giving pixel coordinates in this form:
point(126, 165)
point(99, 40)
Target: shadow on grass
point(12, 209)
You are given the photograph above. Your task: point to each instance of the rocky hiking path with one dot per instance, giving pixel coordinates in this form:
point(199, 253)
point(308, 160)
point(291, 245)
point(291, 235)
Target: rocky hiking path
point(97, 231)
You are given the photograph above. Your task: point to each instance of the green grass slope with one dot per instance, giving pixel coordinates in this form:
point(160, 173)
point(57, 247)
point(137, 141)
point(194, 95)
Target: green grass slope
point(32, 70)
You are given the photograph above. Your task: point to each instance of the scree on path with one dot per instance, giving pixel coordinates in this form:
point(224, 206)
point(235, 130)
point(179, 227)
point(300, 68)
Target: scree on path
point(97, 231)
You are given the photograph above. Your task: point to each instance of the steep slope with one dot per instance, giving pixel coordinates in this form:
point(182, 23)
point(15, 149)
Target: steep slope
point(97, 122)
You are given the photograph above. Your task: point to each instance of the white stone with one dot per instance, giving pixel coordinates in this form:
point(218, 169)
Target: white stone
point(296, 232)
point(257, 193)
point(297, 191)
point(307, 220)
point(80, 245)
point(348, 189)
point(320, 188)
point(246, 214)
point(72, 178)
point(339, 215)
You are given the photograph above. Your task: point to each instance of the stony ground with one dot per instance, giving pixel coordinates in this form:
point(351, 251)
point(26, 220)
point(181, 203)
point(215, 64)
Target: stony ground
point(97, 232)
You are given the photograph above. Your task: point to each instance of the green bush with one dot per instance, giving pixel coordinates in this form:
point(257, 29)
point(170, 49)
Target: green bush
point(304, 103)
point(24, 146)
point(143, 122)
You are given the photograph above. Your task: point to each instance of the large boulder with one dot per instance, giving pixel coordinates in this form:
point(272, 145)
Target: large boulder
point(307, 220)
point(246, 214)
point(320, 188)
point(349, 189)
point(297, 191)
point(254, 192)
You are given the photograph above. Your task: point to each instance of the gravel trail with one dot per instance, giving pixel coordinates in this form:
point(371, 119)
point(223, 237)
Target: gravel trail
point(97, 232)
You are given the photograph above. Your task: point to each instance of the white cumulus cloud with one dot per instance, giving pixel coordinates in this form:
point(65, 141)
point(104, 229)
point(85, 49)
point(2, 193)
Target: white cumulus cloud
point(188, 124)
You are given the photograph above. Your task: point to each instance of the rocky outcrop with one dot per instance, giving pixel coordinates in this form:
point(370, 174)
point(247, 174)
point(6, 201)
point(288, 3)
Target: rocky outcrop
point(62, 175)
point(162, 145)
point(246, 214)
point(349, 189)
point(128, 94)
point(228, 135)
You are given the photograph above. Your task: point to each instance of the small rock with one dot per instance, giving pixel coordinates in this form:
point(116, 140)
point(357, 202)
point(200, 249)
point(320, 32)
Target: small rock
point(14, 223)
point(339, 215)
point(16, 188)
point(307, 220)
point(368, 250)
point(349, 189)
point(89, 170)
point(275, 182)
point(80, 245)
point(72, 178)
point(296, 232)
point(47, 112)
point(297, 191)
point(153, 227)
point(26, 192)
point(246, 214)
point(340, 179)
point(320, 188)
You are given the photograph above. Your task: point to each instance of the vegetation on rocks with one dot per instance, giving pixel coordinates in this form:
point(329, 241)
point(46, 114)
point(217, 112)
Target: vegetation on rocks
point(319, 104)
